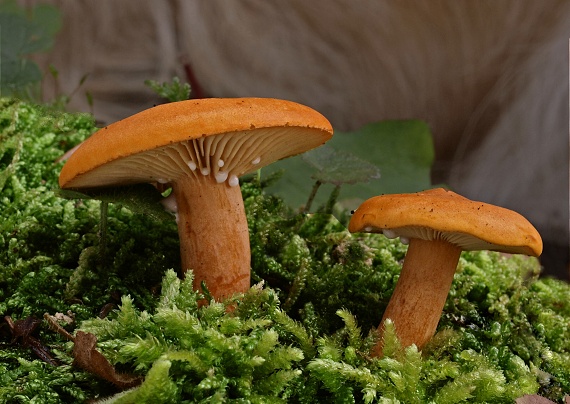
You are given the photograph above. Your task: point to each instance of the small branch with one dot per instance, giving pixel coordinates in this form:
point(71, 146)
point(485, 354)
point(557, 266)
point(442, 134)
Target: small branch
point(54, 326)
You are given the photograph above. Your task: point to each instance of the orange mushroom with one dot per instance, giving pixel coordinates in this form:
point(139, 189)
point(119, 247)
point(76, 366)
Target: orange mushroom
point(438, 225)
point(200, 148)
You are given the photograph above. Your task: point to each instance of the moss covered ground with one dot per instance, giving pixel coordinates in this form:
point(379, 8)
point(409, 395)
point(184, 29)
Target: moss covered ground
point(300, 335)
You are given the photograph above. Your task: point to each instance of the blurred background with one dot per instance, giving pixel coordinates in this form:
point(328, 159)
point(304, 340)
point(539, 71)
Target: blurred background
point(490, 79)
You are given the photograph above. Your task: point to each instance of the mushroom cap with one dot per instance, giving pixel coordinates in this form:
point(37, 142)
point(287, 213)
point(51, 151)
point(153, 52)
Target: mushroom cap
point(223, 137)
point(439, 214)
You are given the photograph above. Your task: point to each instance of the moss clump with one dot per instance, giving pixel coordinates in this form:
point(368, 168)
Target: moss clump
point(202, 354)
point(301, 334)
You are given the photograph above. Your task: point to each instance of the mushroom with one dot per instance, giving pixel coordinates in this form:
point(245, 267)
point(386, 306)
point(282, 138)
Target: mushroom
point(200, 148)
point(438, 224)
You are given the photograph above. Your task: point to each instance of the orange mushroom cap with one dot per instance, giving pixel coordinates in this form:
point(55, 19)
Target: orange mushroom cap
point(250, 133)
point(439, 214)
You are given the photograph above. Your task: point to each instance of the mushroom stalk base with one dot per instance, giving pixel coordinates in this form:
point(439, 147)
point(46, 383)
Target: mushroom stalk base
point(420, 294)
point(214, 236)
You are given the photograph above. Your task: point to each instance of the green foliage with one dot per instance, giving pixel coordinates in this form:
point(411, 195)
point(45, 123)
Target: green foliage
point(517, 321)
point(403, 153)
point(339, 167)
point(317, 267)
point(33, 381)
point(42, 236)
point(302, 334)
point(171, 91)
point(139, 198)
point(196, 353)
point(336, 168)
point(23, 33)
point(403, 375)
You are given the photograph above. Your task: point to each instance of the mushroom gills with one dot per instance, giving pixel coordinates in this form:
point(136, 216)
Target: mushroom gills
point(237, 153)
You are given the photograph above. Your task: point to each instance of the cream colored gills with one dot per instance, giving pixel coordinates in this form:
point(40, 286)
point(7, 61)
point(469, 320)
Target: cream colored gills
point(225, 156)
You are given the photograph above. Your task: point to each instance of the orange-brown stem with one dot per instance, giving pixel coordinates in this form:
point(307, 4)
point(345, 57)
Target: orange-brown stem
point(214, 237)
point(418, 299)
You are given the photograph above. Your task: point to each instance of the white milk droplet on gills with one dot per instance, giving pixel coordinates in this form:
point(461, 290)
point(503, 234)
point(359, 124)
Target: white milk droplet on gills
point(221, 176)
point(233, 181)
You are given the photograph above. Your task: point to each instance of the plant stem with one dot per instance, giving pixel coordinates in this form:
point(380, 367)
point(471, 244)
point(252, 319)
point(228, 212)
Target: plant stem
point(103, 231)
point(297, 286)
point(332, 199)
point(312, 196)
point(258, 177)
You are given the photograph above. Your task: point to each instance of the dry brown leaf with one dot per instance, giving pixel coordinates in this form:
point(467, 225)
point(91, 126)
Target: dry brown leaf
point(533, 399)
point(88, 358)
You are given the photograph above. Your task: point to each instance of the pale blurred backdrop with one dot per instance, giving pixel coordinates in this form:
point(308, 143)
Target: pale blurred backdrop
point(490, 78)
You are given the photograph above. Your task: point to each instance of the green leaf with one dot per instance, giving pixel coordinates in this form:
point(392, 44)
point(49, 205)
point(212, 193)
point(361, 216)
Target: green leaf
point(22, 33)
point(139, 198)
point(402, 151)
point(339, 167)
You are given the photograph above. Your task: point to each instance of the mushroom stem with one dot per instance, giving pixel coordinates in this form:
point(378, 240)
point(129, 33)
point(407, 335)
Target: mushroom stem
point(214, 236)
point(418, 299)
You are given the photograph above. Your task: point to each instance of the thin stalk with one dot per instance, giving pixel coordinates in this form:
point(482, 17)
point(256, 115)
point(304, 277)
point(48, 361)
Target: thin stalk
point(258, 177)
point(332, 199)
point(297, 286)
point(312, 196)
point(104, 207)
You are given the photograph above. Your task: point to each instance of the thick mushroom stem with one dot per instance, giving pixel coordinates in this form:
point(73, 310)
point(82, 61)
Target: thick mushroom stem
point(418, 299)
point(214, 237)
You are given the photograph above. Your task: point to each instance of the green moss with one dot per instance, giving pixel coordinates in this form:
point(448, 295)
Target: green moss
point(301, 334)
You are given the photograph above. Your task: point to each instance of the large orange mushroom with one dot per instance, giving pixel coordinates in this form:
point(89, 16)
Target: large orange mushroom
point(200, 148)
point(438, 224)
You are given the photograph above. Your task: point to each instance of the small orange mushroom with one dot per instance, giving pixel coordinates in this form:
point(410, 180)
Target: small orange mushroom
point(438, 224)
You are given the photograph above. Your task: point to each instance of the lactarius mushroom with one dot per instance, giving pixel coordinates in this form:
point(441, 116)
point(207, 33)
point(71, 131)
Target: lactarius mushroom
point(438, 225)
point(200, 148)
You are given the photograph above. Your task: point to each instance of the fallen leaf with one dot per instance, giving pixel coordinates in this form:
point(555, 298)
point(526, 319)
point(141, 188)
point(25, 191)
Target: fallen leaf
point(88, 358)
point(22, 330)
point(533, 399)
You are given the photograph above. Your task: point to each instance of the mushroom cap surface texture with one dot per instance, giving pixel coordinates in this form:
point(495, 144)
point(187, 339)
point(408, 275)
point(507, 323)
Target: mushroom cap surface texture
point(439, 214)
point(222, 137)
